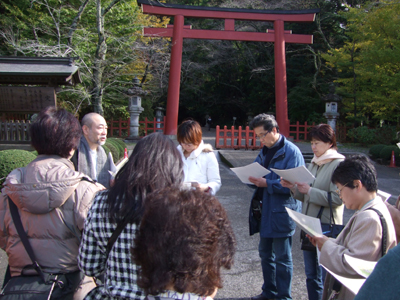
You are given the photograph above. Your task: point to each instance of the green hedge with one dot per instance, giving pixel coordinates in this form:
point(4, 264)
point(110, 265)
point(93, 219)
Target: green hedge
point(370, 136)
point(375, 150)
point(386, 152)
point(116, 144)
point(13, 159)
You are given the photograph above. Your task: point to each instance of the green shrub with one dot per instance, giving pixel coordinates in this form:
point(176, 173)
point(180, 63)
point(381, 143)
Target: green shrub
point(386, 152)
point(363, 135)
point(13, 159)
point(114, 151)
point(369, 136)
point(106, 150)
point(117, 145)
point(119, 141)
point(375, 150)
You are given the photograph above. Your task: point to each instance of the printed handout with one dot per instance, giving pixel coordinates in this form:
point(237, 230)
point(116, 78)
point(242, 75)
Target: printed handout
point(254, 170)
point(361, 266)
point(310, 225)
point(385, 196)
point(299, 174)
point(353, 284)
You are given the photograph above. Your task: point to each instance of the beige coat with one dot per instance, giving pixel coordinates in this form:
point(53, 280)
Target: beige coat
point(53, 202)
point(319, 193)
point(361, 238)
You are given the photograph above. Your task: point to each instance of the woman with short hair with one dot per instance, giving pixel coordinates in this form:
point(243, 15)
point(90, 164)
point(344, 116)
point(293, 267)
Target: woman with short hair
point(314, 198)
point(363, 235)
point(52, 200)
point(199, 162)
point(183, 241)
point(154, 164)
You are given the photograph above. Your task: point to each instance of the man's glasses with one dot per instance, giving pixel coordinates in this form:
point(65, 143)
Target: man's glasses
point(262, 135)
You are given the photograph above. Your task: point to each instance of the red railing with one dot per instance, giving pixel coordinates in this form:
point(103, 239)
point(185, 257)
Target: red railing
point(245, 138)
point(120, 128)
point(299, 132)
point(236, 138)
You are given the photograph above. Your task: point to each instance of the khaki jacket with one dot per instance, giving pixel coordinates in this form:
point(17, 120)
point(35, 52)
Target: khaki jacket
point(53, 202)
point(361, 238)
point(319, 193)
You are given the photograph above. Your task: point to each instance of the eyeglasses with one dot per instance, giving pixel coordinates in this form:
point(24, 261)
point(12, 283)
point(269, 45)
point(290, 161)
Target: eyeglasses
point(262, 135)
point(339, 191)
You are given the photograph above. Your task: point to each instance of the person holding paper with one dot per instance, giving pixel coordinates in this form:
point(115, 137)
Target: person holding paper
point(362, 236)
point(200, 165)
point(275, 226)
point(315, 198)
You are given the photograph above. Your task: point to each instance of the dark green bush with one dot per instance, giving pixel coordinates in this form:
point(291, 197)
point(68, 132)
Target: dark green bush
point(386, 152)
point(114, 151)
point(13, 159)
point(106, 150)
point(369, 136)
point(375, 150)
point(119, 141)
point(117, 145)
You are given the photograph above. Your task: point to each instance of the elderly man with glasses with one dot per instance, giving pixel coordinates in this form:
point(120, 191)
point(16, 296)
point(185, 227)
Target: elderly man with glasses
point(275, 226)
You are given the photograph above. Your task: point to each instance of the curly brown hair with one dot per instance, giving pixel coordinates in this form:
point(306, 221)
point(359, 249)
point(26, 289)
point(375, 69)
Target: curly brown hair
point(184, 239)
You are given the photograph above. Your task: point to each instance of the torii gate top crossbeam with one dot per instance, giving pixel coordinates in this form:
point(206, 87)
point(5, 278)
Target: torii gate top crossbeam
point(156, 8)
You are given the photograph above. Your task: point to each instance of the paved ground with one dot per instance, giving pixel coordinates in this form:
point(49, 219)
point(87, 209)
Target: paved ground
point(244, 279)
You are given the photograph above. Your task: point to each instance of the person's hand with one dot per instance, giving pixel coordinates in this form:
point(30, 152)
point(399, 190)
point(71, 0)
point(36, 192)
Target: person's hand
point(258, 182)
point(318, 241)
point(202, 187)
point(303, 187)
point(287, 184)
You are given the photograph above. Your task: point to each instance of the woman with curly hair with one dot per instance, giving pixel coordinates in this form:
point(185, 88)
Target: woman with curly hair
point(183, 241)
point(154, 164)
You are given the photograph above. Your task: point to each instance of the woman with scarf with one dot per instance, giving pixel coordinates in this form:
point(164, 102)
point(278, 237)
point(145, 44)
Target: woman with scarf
point(315, 198)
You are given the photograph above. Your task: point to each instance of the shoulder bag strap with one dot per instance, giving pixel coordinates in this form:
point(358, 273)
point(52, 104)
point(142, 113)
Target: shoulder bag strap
point(384, 230)
point(331, 217)
point(24, 238)
point(116, 234)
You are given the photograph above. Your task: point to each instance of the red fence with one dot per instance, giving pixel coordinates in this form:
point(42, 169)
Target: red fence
point(120, 128)
point(245, 138)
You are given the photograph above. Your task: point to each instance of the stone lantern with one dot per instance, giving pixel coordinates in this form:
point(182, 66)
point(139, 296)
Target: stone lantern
point(159, 117)
point(331, 106)
point(135, 108)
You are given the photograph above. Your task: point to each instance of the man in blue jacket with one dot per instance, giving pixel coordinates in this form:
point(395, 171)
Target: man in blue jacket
point(275, 226)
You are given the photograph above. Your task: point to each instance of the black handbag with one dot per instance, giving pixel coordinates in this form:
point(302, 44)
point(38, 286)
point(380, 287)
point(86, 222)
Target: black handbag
point(35, 286)
point(329, 229)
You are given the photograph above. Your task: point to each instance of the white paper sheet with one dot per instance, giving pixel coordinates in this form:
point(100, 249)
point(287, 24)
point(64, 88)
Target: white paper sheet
point(353, 284)
point(385, 196)
point(309, 224)
point(361, 266)
point(299, 174)
point(114, 169)
point(254, 170)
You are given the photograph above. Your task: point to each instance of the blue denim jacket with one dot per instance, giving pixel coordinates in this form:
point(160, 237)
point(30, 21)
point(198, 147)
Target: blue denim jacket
point(275, 221)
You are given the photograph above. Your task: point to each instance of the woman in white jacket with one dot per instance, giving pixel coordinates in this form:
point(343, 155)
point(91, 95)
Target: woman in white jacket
point(200, 164)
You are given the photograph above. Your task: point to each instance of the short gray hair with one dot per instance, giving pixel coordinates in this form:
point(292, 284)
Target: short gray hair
point(267, 121)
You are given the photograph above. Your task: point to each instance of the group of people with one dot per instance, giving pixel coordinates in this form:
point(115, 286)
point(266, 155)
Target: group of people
point(339, 181)
point(94, 230)
point(157, 231)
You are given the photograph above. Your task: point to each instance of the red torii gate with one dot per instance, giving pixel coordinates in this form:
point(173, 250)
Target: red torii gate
point(179, 31)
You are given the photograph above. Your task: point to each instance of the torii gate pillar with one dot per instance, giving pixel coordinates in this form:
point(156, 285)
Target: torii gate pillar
point(174, 82)
point(280, 79)
point(178, 32)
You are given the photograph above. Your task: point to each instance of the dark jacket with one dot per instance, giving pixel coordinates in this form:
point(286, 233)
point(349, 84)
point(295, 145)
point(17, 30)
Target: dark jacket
point(275, 221)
